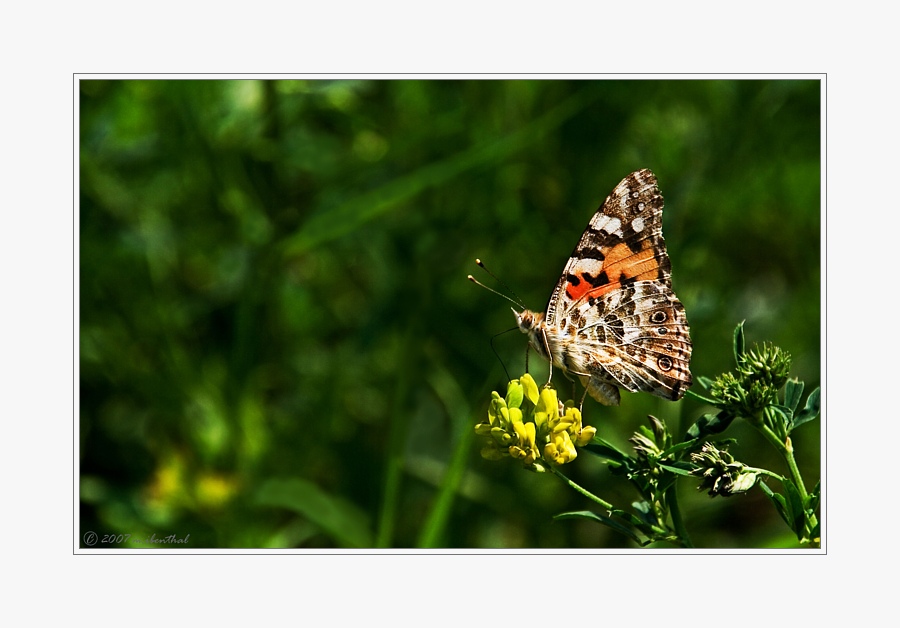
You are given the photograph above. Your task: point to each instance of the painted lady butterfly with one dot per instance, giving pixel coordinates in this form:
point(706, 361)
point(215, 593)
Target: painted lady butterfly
point(613, 319)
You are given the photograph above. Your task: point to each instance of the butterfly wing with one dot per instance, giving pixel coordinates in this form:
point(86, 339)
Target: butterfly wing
point(615, 291)
point(622, 244)
point(636, 338)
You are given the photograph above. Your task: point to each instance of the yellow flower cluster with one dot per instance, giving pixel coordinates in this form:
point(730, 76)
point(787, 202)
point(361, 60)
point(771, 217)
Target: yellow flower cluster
point(533, 426)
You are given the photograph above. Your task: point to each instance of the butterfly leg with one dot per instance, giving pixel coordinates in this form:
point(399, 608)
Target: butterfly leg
point(527, 351)
point(581, 404)
point(548, 354)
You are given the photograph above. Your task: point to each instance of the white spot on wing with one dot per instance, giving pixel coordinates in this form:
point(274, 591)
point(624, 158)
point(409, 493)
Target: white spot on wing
point(609, 224)
point(587, 265)
point(637, 224)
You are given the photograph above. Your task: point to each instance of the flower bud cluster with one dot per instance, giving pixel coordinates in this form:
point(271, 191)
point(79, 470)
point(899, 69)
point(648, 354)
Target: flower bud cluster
point(533, 426)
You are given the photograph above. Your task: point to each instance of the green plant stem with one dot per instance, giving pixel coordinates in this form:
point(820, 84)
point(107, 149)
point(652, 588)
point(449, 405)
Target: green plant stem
point(765, 472)
point(581, 490)
point(787, 452)
point(677, 522)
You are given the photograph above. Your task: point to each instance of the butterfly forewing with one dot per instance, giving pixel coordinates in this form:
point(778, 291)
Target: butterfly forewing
point(613, 319)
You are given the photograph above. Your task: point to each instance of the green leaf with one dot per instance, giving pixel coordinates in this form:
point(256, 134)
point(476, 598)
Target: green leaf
point(816, 532)
point(704, 381)
point(611, 523)
point(690, 394)
point(671, 451)
point(624, 468)
point(576, 514)
point(739, 343)
point(783, 413)
point(618, 462)
point(645, 513)
point(647, 432)
point(338, 518)
point(810, 411)
point(600, 447)
point(795, 503)
point(627, 516)
point(793, 390)
point(812, 504)
point(710, 424)
point(780, 504)
point(681, 468)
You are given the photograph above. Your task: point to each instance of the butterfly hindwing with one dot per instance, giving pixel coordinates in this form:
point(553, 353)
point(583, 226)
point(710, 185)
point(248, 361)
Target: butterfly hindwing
point(637, 338)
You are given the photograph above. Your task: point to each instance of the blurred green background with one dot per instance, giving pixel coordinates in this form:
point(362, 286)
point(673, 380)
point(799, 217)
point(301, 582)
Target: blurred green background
point(279, 347)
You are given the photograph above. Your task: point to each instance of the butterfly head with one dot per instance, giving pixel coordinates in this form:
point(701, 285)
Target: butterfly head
point(531, 323)
point(528, 321)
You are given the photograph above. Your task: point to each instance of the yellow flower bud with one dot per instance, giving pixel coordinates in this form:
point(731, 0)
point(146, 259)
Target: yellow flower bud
point(515, 392)
point(483, 429)
point(561, 449)
point(501, 436)
point(491, 452)
point(530, 388)
point(548, 403)
point(586, 435)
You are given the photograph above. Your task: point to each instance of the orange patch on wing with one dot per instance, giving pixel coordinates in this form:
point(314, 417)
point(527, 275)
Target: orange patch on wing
point(576, 292)
point(601, 290)
point(621, 263)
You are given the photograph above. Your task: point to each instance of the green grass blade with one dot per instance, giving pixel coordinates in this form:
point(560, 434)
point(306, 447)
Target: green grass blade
point(338, 221)
point(454, 400)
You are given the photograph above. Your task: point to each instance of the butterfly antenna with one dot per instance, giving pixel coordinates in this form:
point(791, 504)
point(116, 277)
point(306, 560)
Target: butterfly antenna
point(494, 349)
point(517, 301)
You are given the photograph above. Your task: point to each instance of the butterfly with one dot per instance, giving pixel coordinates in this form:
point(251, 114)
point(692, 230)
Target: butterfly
point(613, 320)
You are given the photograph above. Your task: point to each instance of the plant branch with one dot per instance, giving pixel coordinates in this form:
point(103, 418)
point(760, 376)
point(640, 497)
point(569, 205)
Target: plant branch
point(677, 521)
point(580, 489)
